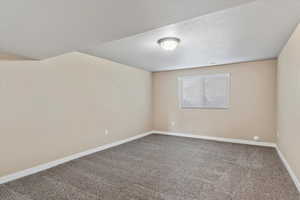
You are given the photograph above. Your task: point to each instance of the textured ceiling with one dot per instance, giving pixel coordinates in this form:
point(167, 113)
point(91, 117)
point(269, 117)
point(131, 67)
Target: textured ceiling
point(253, 31)
point(41, 29)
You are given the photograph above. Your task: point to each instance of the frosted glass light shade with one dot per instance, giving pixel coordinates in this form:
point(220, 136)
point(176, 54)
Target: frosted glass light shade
point(169, 43)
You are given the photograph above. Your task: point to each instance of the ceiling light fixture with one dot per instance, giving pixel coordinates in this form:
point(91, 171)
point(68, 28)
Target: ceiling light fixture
point(168, 43)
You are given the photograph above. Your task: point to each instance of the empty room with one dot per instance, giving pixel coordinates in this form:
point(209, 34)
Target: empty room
point(150, 100)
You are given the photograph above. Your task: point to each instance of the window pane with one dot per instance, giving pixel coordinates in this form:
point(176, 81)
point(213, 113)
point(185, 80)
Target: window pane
point(192, 92)
point(216, 91)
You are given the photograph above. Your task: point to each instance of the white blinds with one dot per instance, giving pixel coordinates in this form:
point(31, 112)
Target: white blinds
point(204, 91)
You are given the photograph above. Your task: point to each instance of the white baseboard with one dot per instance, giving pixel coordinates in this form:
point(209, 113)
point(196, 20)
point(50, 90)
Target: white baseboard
point(51, 164)
point(220, 139)
point(289, 169)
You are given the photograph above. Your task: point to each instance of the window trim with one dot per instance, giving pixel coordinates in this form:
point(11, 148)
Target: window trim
point(179, 89)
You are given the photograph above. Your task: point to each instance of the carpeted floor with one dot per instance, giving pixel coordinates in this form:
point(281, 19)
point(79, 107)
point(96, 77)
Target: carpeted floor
point(160, 167)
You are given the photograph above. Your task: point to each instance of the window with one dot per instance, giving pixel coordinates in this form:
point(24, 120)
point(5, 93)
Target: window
point(204, 91)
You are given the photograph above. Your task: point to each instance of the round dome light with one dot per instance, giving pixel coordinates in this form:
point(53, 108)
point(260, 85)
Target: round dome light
point(168, 43)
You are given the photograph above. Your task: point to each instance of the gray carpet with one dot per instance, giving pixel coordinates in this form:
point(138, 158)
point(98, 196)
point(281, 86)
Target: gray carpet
point(160, 167)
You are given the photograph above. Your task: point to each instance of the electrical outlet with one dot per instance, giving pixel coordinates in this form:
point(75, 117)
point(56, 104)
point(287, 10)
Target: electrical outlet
point(172, 123)
point(106, 132)
point(2, 84)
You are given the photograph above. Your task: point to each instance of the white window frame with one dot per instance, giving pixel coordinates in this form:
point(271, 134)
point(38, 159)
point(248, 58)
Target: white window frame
point(180, 79)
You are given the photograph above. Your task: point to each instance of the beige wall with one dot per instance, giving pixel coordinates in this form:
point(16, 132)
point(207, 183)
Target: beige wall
point(252, 97)
point(288, 117)
point(61, 106)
